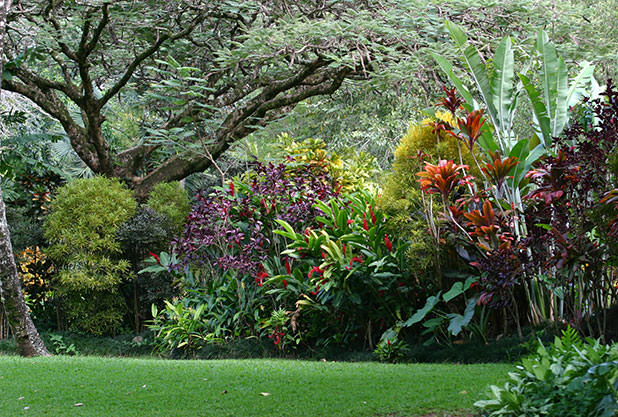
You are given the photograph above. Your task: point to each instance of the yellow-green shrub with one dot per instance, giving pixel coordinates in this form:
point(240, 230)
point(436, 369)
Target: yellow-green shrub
point(82, 232)
point(171, 200)
point(354, 171)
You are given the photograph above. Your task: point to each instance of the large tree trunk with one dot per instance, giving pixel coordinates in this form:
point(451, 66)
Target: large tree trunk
point(28, 341)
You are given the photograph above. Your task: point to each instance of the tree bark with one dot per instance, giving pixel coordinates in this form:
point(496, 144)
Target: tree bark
point(27, 338)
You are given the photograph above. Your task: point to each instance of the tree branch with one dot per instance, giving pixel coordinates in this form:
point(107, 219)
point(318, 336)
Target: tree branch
point(47, 100)
point(89, 46)
point(124, 79)
point(30, 78)
point(180, 166)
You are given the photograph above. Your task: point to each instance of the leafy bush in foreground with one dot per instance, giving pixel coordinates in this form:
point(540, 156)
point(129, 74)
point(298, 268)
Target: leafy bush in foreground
point(343, 282)
point(569, 378)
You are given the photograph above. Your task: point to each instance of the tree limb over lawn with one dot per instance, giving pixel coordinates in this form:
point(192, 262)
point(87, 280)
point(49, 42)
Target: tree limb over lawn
point(244, 64)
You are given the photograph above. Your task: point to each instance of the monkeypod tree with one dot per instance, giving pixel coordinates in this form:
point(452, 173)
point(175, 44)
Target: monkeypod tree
point(209, 72)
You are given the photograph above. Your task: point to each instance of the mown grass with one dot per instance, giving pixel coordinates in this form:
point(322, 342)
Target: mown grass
point(123, 387)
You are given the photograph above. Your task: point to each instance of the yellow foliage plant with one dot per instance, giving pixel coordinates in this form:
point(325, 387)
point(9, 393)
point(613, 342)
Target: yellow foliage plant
point(354, 172)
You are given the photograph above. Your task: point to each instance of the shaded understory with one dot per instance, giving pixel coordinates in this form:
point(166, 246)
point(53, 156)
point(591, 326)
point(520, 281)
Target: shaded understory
point(507, 349)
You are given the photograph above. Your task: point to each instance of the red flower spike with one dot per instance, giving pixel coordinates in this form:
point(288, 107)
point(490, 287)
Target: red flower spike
point(344, 248)
point(288, 268)
point(317, 289)
point(315, 269)
point(373, 216)
point(156, 257)
point(365, 225)
point(232, 190)
point(285, 284)
point(388, 243)
point(259, 278)
point(355, 259)
point(350, 221)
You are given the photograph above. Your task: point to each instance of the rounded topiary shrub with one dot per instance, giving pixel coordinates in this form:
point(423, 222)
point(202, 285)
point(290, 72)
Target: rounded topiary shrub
point(81, 229)
point(170, 200)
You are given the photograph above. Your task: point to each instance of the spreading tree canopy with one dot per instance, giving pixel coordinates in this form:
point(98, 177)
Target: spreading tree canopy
point(208, 72)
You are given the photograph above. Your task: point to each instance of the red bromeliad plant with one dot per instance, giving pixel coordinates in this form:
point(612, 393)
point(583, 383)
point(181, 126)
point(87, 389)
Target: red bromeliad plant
point(471, 128)
point(498, 169)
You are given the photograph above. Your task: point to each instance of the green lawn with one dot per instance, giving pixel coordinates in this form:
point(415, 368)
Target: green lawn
point(114, 387)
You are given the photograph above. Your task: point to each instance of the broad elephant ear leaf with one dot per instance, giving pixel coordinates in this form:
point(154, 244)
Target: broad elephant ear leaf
point(458, 321)
point(422, 313)
point(456, 289)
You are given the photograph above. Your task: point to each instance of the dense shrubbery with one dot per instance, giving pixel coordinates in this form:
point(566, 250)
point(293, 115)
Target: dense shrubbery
point(170, 200)
point(147, 231)
point(229, 244)
point(280, 253)
point(569, 378)
point(231, 231)
point(99, 240)
point(343, 283)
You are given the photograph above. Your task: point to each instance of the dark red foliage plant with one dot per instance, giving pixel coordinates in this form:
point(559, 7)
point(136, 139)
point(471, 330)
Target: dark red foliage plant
point(570, 239)
point(231, 230)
